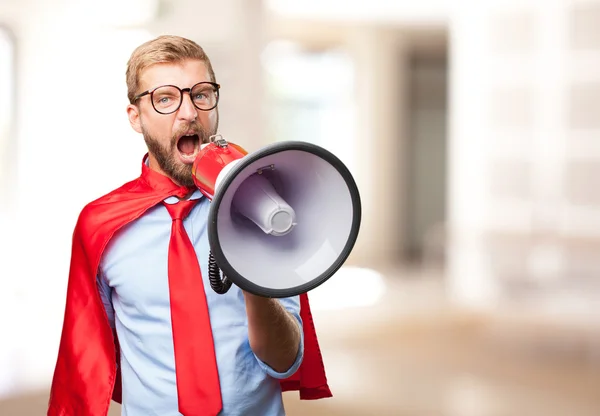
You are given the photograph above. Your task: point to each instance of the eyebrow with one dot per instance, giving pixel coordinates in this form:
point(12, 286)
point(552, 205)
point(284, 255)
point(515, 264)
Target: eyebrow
point(175, 85)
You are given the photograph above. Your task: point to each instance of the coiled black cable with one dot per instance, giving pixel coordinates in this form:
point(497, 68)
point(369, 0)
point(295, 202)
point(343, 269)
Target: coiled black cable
point(219, 285)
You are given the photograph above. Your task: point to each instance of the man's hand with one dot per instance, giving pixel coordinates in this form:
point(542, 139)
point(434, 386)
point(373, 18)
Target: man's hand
point(273, 332)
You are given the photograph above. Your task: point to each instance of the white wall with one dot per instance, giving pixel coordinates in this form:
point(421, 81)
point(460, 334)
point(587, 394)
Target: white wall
point(524, 211)
point(74, 143)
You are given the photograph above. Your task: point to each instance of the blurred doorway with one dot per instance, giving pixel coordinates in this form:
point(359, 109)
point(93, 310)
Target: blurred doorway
point(426, 152)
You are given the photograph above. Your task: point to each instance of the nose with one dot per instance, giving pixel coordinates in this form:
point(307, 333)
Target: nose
point(187, 112)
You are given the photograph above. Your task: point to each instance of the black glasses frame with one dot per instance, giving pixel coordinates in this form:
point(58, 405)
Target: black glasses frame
point(181, 91)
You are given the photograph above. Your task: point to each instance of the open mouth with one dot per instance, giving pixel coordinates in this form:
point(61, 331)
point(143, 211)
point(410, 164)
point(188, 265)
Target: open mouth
point(188, 146)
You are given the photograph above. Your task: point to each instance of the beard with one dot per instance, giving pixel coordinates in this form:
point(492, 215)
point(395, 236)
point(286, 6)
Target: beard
point(166, 156)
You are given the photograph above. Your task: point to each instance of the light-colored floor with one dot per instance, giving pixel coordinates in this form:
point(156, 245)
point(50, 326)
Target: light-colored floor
point(413, 355)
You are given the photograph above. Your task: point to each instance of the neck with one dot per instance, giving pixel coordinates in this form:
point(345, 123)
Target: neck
point(155, 166)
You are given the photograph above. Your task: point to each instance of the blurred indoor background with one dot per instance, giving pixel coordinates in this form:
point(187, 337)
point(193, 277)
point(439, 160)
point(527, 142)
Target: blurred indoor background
point(471, 127)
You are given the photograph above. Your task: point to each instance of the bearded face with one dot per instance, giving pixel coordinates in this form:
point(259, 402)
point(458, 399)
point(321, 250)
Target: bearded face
point(175, 155)
point(174, 138)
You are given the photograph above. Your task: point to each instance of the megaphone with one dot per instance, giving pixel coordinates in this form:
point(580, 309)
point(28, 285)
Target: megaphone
point(282, 220)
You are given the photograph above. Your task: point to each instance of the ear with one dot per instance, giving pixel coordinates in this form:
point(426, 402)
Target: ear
point(133, 112)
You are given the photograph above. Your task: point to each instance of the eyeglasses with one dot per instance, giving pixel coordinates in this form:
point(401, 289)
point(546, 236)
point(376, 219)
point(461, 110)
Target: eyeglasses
point(167, 99)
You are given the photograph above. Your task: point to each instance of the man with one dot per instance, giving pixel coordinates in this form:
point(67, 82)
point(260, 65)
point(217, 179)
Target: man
point(142, 325)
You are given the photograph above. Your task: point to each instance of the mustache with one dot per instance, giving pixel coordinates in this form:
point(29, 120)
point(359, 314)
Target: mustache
point(195, 128)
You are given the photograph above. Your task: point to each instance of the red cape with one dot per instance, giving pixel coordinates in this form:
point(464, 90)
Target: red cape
point(86, 376)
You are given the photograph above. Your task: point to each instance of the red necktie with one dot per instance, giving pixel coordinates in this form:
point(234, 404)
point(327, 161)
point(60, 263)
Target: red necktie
point(198, 389)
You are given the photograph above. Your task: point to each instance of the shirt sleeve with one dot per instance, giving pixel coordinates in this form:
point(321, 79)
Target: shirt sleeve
point(292, 305)
point(106, 294)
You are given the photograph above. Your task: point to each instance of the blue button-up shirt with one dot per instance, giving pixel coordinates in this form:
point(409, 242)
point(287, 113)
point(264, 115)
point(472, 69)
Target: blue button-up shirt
point(133, 283)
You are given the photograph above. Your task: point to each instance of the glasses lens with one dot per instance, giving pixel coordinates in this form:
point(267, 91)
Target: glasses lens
point(166, 99)
point(204, 96)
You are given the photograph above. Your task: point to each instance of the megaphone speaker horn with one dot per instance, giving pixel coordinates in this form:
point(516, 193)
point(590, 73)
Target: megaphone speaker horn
point(282, 219)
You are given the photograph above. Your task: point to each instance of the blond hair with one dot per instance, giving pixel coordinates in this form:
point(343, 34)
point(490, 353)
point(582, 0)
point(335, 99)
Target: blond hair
point(163, 49)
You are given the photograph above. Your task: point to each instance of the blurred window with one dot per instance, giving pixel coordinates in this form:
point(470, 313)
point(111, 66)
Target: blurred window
point(310, 96)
